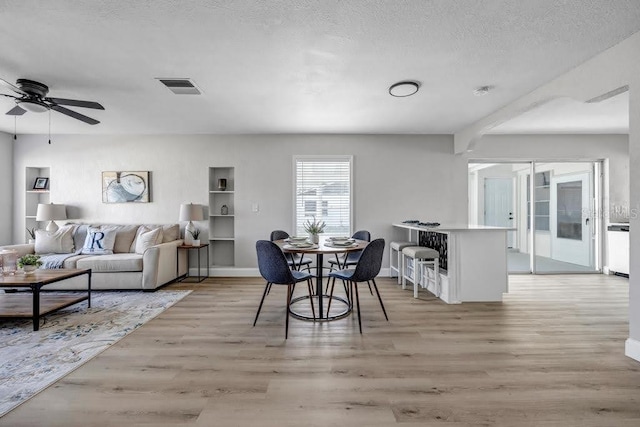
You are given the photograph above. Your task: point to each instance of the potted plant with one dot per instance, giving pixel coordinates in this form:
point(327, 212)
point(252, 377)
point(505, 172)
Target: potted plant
point(29, 263)
point(314, 228)
point(195, 233)
point(32, 234)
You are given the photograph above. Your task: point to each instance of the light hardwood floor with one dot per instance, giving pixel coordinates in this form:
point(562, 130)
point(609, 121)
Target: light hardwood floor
point(552, 354)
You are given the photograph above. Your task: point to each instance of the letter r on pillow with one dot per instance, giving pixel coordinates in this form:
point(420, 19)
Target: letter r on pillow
point(96, 241)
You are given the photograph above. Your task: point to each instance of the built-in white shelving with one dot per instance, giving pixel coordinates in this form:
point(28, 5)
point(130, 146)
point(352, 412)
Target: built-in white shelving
point(34, 196)
point(221, 217)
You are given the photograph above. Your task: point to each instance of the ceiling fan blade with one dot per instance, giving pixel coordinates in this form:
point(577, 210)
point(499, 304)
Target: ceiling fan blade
point(75, 115)
point(75, 103)
point(16, 89)
point(16, 111)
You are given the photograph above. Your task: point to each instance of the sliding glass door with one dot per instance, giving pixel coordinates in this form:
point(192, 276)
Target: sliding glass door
point(550, 205)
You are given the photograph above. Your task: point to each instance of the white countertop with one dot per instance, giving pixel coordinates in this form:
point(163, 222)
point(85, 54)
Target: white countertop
point(453, 227)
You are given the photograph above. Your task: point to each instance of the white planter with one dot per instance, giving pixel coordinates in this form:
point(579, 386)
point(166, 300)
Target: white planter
point(29, 269)
point(195, 243)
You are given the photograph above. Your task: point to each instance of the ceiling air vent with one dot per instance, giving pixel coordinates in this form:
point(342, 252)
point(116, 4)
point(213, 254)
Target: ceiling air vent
point(181, 86)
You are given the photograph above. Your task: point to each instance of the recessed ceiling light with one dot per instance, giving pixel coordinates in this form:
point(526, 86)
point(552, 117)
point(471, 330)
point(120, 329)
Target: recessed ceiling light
point(482, 90)
point(404, 88)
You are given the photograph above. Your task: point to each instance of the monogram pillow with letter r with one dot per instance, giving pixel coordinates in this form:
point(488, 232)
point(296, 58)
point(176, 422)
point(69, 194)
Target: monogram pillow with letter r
point(99, 241)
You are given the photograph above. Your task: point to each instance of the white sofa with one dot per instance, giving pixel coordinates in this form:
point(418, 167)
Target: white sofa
point(130, 266)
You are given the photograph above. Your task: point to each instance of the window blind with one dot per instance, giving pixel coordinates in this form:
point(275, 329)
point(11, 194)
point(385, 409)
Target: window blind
point(323, 191)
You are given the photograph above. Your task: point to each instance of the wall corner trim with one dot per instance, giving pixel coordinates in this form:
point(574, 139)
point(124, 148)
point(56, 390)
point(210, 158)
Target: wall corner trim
point(632, 349)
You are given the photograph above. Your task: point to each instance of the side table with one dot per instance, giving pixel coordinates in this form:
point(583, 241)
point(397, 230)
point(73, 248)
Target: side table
point(188, 249)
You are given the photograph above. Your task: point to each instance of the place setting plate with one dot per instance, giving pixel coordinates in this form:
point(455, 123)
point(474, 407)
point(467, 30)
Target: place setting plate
point(340, 242)
point(300, 245)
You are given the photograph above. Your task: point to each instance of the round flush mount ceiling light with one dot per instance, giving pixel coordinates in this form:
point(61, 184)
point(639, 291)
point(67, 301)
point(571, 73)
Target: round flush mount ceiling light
point(404, 88)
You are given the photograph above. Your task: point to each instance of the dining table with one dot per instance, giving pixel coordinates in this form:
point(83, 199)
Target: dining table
point(325, 246)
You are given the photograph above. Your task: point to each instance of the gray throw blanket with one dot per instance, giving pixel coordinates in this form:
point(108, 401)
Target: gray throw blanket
point(51, 261)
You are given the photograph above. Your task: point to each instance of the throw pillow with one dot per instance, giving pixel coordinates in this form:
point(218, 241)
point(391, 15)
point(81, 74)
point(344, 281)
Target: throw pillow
point(59, 242)
point(170, 233)
point(124, 238)
point(99, 241)
point(147, 239)
point(145, 229)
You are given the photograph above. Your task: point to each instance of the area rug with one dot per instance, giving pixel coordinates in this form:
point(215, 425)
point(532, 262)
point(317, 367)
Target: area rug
point(31, 361)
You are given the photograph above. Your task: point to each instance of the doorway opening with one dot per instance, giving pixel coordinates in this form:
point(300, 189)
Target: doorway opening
point(551, 208)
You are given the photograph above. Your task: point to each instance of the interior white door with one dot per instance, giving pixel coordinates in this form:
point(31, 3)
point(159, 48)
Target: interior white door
point(570, 222)
point(498, 205)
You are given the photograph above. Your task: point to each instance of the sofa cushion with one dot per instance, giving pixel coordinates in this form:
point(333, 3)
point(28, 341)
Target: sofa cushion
point(111, 263)
point(99, 241)
point(59, 242)
point(71, 262)
point(146, 229)
point(125, 234)
point(147, 239)
point(170, 233)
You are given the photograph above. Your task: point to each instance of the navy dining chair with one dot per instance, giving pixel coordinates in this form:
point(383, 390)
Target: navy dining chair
point(275, 270)
point(366, 270)
point(296, 261)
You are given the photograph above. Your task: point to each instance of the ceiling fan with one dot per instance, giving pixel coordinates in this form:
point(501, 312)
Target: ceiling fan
point(32, 97)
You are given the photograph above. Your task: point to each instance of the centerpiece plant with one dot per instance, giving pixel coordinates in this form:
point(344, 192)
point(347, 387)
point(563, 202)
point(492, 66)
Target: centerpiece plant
point(314, 228)
point(29, 263)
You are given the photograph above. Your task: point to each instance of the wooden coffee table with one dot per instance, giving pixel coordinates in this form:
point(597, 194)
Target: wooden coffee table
point(35, 304)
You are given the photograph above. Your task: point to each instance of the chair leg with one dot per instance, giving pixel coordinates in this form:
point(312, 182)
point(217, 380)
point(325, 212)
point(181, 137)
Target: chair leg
point(268, 288)
point(333, 283)
point(286, 327)
point(357, 304)
point(400, 261)
point(380, 299)
point(369, 285)
point(390, 262)
point(436, 271)
point(416, 278)
point(264, 294)
point(313, 310)
point(404, 279)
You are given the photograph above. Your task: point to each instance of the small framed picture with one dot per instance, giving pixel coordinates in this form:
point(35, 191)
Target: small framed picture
point(41, 183)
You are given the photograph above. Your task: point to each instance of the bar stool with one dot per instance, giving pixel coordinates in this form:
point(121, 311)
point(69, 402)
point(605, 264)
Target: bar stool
point(397, 247)
point(422, 257)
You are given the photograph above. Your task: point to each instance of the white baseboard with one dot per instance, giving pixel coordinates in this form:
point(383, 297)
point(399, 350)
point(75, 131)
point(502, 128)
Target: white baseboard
point(233, 272)
point(632, 349)
point(249, 272)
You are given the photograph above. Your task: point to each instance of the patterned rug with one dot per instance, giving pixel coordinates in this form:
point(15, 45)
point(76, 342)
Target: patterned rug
point(31, 361)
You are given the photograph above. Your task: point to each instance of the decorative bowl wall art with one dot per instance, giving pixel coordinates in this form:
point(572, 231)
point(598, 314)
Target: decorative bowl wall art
point(125, 187)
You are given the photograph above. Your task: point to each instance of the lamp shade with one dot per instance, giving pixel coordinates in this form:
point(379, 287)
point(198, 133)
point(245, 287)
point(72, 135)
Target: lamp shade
point(51, 212)
point(190, 212)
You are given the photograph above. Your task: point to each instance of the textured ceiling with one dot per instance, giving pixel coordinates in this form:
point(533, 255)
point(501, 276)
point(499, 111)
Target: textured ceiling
point(296, 66)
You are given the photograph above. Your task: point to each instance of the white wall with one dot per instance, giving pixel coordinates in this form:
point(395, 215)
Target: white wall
point(6, 187)
point(633, 344)
point(395, 178)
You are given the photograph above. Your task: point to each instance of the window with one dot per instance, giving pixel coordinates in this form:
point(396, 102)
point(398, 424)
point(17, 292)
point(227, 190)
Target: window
point(323, 190)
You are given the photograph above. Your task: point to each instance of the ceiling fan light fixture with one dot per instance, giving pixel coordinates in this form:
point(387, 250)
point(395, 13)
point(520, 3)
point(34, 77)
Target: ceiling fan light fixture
point(33, 105)
point(404, 88)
